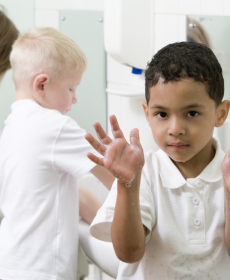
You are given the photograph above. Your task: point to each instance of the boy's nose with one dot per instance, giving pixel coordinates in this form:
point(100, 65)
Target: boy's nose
point(74, 100)
point(176, 127)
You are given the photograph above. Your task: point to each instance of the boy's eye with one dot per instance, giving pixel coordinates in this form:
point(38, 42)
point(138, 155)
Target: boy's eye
point(192, 114)
point(162, 115)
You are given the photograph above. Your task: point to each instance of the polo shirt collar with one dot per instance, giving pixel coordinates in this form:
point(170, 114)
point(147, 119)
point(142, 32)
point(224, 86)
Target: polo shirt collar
point(212, 172)
point(172, 178)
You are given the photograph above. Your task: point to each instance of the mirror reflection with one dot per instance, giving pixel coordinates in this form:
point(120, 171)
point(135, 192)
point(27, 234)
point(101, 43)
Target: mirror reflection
point(213, 32)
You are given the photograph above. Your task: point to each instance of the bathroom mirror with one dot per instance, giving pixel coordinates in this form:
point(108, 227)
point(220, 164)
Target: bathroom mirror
point(213, 32)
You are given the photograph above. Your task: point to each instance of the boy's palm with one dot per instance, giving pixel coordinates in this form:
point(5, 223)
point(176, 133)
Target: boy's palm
point(122, 159)
point(225, 168)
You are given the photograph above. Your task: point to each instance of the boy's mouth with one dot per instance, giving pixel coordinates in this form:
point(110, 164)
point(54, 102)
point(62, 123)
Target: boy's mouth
point(178, 145)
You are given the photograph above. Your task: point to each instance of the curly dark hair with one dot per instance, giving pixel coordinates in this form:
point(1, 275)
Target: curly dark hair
point(186, 60)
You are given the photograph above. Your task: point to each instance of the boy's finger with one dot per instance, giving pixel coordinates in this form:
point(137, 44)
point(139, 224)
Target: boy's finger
point(95, 159)
point(134, 138)
point(95, 144)
point(117, 132)
point(104, 138)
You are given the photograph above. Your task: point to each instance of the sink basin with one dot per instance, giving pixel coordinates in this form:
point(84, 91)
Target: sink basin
point(99, 252)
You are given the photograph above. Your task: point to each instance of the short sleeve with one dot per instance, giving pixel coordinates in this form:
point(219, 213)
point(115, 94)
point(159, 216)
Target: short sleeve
point(70, 150)
point(101, 225)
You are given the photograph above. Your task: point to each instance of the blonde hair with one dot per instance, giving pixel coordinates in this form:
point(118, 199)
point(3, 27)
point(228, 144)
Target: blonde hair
point(45, 50)
point(8, 34)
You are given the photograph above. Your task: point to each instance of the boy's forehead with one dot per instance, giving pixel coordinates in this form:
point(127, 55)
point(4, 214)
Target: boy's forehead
point(74, 76)
point(180, 92)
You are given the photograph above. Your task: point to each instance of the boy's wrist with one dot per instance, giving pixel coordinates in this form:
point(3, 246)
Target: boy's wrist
point(133, 185)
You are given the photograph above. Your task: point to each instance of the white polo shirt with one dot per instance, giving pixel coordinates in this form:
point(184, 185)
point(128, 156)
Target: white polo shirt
point(186, 220)
point(42, 155)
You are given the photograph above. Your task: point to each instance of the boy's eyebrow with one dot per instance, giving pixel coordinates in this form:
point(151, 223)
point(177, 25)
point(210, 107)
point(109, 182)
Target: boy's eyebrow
point(195, 105)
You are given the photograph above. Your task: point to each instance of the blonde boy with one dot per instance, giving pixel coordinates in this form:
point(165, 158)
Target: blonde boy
point(43, 153)
point(168, 214)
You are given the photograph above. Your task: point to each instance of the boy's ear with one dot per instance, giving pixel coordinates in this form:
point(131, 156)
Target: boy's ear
point(222, 113)
point(39, 84)
point(146, 110)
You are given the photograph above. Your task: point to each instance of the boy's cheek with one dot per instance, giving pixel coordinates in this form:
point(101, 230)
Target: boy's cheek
point(158, 136)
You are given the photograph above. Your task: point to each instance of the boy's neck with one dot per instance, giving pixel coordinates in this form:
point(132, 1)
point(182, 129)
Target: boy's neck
point(193, 167)
point(24, 94)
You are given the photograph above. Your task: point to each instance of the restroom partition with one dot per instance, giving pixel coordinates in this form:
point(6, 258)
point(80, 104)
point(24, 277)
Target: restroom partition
point(86, 28)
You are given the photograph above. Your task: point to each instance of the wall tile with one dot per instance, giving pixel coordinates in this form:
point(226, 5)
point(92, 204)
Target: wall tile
point(226, 7)
point(39, 4)
point(166, 30)
point(47, 18)
point(96, 5)
point(212, 7)
point(166, 6)
point(191, 7)
point(182, 28)
point(62, 4)
point(80, 4)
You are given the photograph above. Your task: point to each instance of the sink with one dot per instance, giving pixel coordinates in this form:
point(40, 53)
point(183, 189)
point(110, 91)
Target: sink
point(99, 252)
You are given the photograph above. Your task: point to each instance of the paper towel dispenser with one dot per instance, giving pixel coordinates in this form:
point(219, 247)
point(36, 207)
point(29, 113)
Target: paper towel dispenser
point(129, 31)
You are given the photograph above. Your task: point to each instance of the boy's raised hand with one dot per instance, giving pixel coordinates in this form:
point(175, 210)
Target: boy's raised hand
point(225, 168)
point(122, 159)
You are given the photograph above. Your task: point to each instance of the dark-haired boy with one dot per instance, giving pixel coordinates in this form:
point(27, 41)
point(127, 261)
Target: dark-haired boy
point(168, 218)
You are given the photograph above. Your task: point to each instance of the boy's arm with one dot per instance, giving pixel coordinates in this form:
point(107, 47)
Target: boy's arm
point(88, 205)
point(103, 175)
point(127, 232)
point(125, 162)
point(226, 179)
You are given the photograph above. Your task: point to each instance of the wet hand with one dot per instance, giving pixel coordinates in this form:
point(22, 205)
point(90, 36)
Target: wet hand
point(122, 159)
point(225, 168)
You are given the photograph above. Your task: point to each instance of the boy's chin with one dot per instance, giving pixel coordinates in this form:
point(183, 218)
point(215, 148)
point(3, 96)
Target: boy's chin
point(179, 159)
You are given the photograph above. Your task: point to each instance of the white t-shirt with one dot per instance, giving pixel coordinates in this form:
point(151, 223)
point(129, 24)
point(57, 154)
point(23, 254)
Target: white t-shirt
point(42, 155)
point(186, 220)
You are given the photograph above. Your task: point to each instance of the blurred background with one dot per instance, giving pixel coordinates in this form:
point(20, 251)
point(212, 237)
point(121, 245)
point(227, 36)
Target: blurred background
point(119, 37)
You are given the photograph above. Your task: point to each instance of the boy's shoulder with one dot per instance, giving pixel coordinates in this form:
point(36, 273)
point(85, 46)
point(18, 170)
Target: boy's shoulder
point(31, 120)
point(29, 111)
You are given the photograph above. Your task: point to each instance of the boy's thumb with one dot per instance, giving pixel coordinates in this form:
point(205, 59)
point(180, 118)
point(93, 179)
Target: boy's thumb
point(134, 137)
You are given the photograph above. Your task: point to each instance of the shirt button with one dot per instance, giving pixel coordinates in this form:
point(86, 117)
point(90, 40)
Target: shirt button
point(196, 222)
point(196, 201)
point(199, 184)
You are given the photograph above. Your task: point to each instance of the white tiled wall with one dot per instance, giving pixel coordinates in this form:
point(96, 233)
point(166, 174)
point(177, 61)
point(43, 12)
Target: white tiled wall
point(214, 7)
point(47, 18)
point(69, 4)
point(226, 7)
point(192, 7)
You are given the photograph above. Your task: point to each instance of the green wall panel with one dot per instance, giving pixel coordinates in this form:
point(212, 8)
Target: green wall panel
point(22, 14)
point(86, 28)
